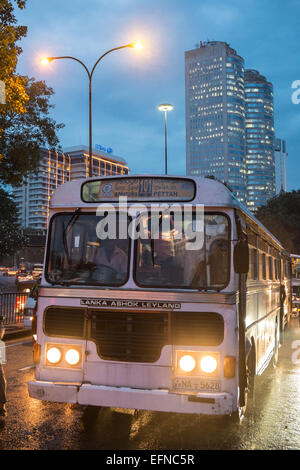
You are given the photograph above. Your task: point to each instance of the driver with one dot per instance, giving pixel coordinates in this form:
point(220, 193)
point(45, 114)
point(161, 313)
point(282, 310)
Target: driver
point(111, 255)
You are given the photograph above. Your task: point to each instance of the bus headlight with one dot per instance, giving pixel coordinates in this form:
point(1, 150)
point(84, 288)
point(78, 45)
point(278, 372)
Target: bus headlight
point(208, 364)
point(72, 357)
point(187, 363)
point(53, 355)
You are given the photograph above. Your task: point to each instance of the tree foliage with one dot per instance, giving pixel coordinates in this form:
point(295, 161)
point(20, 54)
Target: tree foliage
point(25, 124)
point(281, 216)
point(24, 133)
point(10, 35)
point(11, 237)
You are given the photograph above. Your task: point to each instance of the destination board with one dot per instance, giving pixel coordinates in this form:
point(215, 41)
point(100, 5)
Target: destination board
point(139, 189)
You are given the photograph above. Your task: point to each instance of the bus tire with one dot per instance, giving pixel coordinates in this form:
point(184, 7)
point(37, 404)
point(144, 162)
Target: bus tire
point(238, 415)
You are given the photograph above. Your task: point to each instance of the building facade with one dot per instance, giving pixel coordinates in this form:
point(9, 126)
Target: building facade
point(259, 139)
point(215, 115)
point(33, 196)
point(102, 163)
point(280, 165)
point(56, 168)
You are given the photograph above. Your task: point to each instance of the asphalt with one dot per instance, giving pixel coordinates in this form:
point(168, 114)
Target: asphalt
point(15, 332)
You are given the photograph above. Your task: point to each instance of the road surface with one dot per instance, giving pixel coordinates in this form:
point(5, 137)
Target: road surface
point(32, 424)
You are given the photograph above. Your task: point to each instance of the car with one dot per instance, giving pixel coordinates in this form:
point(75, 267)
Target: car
point(23, 277)
point(12, 271)
point(30, 306)
point(37, 271)
point(5, 272)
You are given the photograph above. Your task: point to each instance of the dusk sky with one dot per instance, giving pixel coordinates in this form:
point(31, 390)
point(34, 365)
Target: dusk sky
point(128, 85)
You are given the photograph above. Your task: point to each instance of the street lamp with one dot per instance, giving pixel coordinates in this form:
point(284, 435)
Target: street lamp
point(47, 60)
point(166, 108)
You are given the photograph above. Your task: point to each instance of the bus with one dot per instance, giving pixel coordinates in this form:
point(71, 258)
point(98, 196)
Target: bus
point(296, 283)
point(157, 322)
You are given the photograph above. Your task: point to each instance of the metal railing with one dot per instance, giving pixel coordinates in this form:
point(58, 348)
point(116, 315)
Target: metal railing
point(12, 305)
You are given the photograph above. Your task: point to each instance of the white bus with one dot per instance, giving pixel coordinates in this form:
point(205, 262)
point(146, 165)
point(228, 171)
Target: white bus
point(146, 323)
point(296, 283)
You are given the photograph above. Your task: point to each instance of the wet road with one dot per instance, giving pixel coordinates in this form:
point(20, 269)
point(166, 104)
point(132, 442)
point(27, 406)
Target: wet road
point(275, 423)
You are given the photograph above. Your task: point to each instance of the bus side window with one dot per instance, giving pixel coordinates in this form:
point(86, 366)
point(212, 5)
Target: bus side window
point(263, 266)
point(253, 269)
point(270, 268)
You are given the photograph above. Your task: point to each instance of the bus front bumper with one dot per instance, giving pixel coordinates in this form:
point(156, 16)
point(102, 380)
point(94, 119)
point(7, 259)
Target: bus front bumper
point(123, 397)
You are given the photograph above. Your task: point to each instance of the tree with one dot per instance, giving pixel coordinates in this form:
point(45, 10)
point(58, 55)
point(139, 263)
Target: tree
point(24, 133)
point(10, 34)
point(25, 124)
point(11, 237)
point(281, 215)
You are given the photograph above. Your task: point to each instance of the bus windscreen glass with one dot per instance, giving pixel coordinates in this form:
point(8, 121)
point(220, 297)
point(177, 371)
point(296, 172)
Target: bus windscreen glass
point(139, 189)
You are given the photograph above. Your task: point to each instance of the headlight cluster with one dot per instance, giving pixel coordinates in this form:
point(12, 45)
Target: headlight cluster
point(63, 355)
point(197, 363)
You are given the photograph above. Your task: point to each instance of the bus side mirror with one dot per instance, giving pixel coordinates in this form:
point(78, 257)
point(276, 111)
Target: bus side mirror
point(241, 257)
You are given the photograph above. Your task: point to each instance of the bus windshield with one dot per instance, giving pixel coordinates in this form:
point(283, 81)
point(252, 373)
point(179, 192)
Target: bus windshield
point(77, 256)
point(166, 261)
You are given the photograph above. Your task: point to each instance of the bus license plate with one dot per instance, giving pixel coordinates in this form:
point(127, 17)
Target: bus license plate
point(196, 385)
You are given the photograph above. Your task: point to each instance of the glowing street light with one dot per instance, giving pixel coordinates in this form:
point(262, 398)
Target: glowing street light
point(46, 60)
point(165, 108)
point(137, 45)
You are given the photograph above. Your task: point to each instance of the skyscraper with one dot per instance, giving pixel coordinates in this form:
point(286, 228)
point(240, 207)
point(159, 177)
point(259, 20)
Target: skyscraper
point(259, 139)
point(215, 114)
point(56, 168)
point(280, 165)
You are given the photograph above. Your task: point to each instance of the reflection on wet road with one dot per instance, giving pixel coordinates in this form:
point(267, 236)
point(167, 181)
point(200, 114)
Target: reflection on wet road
point(274, 423)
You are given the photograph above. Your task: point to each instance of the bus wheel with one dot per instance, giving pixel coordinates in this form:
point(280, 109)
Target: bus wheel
point(240, 413)
point(276, 346)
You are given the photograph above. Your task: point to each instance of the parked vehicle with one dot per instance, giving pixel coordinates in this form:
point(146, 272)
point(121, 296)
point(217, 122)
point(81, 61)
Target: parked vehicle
point(31, 306)
point(37, 270)
point(156, 324)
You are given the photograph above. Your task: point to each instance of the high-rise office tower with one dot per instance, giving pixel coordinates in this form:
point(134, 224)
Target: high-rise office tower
point(280, 165)
point(259, 139)
point(56, 168)
point(215, 114)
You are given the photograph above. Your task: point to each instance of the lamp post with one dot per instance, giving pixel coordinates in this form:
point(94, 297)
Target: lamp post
point(166, 108)
point(46, 60)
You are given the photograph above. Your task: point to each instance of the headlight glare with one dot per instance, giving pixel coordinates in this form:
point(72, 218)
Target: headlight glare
point(53, 355)
point(208, 364)
point(187, 363)
point(72, 357)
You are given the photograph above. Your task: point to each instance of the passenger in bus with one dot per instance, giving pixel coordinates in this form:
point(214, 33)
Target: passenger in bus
point(111, 255)
point(218, 261)
point(194, 268)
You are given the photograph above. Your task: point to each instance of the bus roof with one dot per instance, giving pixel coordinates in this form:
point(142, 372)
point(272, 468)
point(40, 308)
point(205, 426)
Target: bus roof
point(210, 192)
point(213, 192)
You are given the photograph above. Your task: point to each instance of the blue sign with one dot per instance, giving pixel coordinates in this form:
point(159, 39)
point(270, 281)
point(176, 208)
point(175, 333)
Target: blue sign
point(104, 149)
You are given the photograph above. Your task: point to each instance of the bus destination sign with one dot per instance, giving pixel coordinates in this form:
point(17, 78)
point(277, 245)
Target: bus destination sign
point(139, 189)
